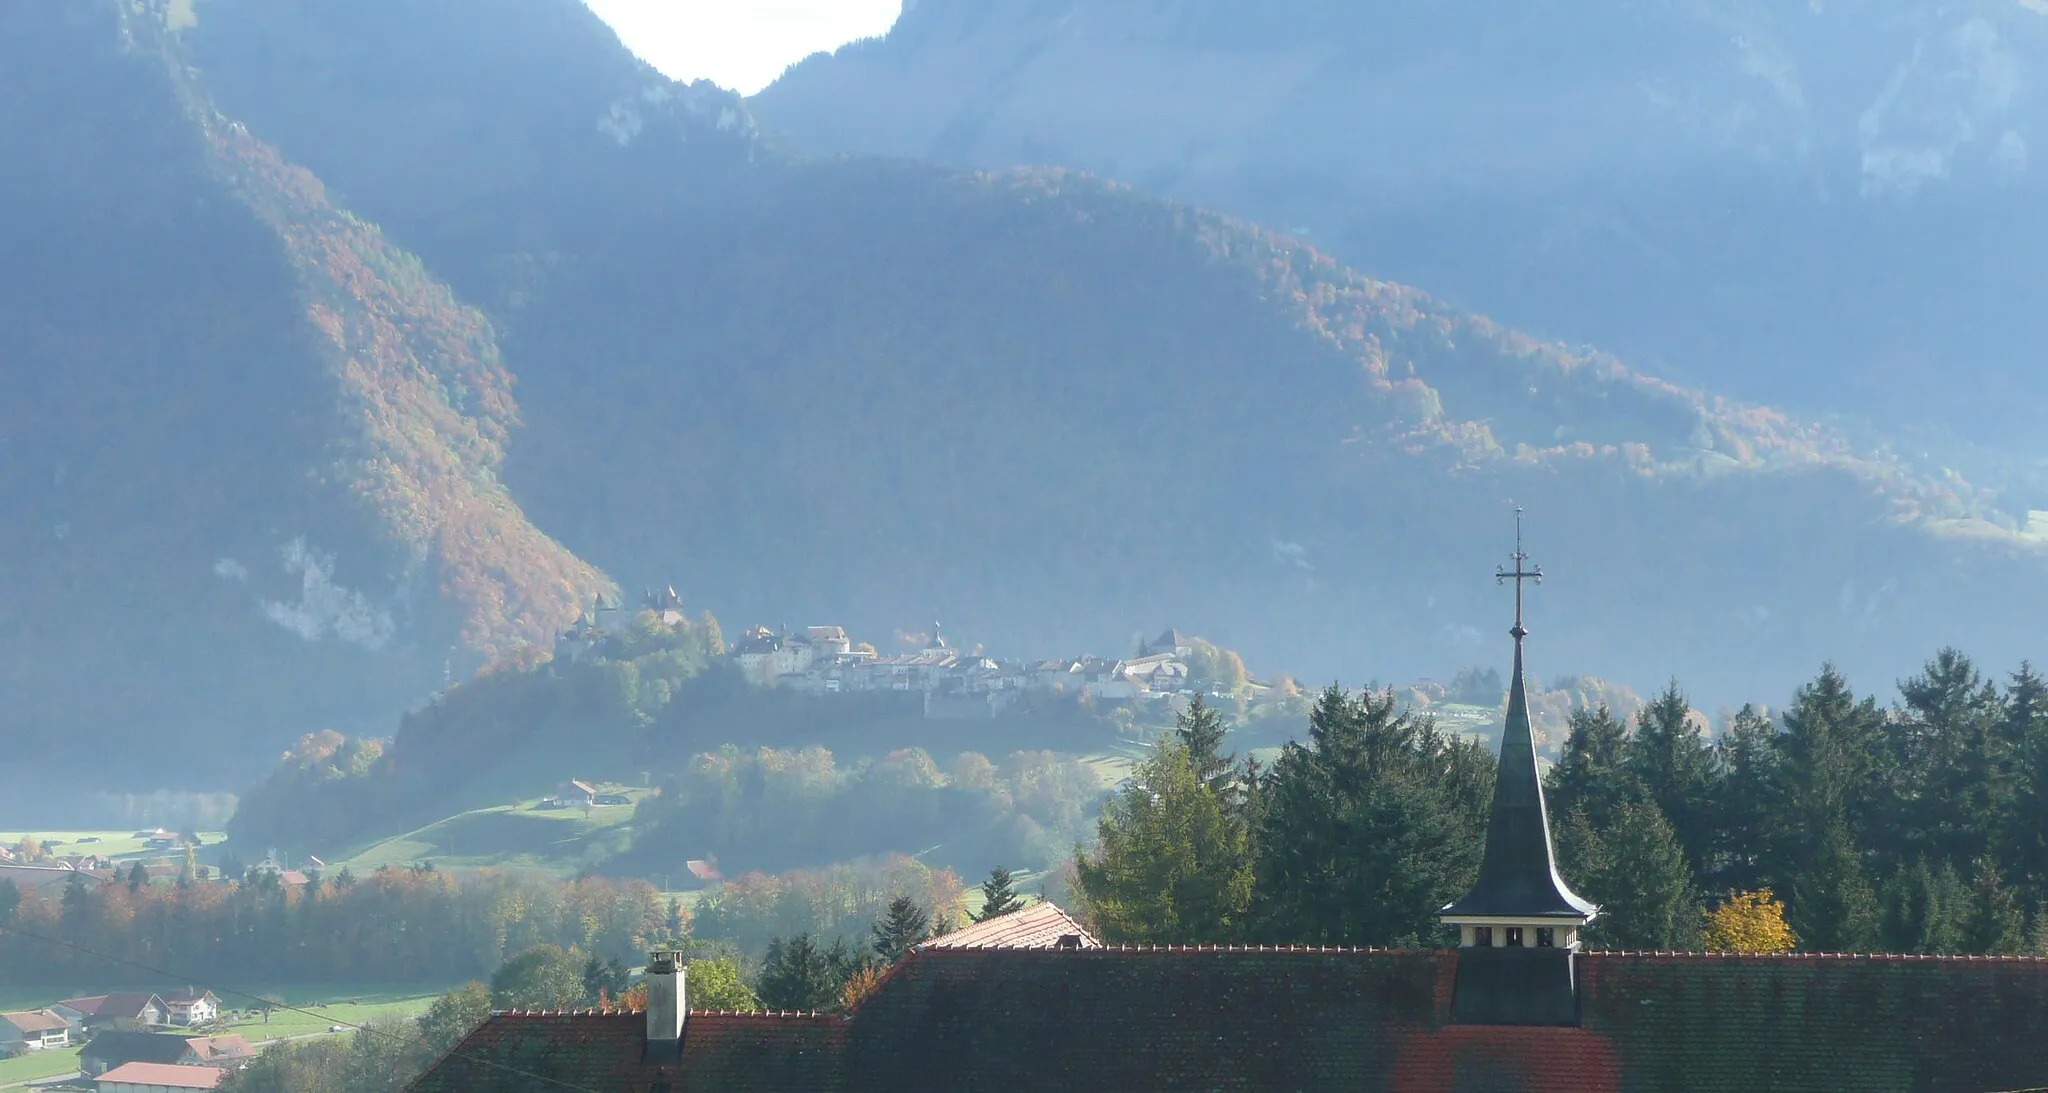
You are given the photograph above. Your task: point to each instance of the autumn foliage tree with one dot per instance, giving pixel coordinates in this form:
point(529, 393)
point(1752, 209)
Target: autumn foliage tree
point(1748, 922)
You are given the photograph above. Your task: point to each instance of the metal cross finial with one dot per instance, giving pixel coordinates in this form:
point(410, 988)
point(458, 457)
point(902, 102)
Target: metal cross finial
point(1502, 575)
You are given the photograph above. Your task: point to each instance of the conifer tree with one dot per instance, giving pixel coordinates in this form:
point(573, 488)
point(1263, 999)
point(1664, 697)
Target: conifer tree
point(998, 895)
point(1748, 847)
point(1369, 827)
point(1833, 907)
point(800, 976)
point(1636, 871)
point(1992, 921)
point(1829, 776)
point(1669, 757)
point(1171, 865)
point(1200, 730)
point(1922, 908)
point(1950, 778)
point(1592, 776)
point(902, 927)
point(2023, 840)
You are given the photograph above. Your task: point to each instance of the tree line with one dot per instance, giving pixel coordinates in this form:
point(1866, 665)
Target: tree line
point(1919, 827)
point(783, 807)
point(393, 925)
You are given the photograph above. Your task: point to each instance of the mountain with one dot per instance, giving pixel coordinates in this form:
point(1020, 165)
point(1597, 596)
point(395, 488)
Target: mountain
point(1832, 207)
point(247, 447)
point(1046, 409)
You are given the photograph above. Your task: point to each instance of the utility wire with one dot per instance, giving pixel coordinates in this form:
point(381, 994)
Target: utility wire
point(281, 1004)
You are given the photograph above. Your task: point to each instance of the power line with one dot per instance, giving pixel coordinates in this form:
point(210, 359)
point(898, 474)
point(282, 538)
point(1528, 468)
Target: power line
point(283, 1005)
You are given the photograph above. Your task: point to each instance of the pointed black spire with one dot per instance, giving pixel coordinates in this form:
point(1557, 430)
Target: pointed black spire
point(1518, 878)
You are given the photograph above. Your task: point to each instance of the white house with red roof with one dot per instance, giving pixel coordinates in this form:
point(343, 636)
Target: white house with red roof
point(32, 1030)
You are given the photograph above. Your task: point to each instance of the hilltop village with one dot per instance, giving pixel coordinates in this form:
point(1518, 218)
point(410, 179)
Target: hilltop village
point(825, 660)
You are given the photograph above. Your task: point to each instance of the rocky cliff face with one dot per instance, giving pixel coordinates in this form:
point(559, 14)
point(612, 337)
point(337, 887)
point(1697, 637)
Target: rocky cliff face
point(1829, 205)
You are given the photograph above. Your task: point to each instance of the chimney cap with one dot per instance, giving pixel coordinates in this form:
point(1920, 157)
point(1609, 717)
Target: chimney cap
point(664, 961)
point(1069, 941)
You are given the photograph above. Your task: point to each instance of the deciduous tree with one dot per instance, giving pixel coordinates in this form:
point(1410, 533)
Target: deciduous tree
point(1748, 922)
point(544, 977)
point(716, 985)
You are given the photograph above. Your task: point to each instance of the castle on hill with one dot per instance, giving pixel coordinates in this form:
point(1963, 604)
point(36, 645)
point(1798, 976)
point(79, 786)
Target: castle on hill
point(1515, 1007)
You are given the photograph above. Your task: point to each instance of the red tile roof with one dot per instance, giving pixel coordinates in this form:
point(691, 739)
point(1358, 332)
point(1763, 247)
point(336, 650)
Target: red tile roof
point(170, 1074)
point(703, 870)
point(1308, 1019)
point(36, 1020)
point(219, 1047)
point(1039, 926)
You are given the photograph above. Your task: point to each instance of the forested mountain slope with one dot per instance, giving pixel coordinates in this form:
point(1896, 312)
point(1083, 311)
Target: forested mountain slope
point(249, 447)
point(1045, 409)
point(1831, 206)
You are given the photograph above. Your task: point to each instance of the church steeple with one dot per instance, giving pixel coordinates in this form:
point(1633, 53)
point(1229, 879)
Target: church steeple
point(1519, 900)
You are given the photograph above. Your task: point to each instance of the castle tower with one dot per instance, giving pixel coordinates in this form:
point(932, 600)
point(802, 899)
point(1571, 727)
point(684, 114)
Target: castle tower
point(1518, 928)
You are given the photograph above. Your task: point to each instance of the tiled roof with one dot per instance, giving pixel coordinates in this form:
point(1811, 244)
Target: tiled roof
point(1039, 926)
point(27, 877)
point(537, 1052)
point(36, 1020)
point(114, 1047)
point(127, 1006)
point(1761, 1023)
point(220, 1047)
point(1303, 1020)
point(177, 1077)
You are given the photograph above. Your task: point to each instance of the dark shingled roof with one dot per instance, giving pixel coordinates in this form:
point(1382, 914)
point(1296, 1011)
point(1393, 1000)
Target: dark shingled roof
point(1518, 876)
point(112, 1048)
point(1307, 1020)
point(541, 1052)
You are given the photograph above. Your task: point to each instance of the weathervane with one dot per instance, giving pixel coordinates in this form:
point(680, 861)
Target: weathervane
point(1502, 575)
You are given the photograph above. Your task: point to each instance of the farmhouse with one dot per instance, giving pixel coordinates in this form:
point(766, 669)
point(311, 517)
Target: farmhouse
point(221, 1051)
point(1516, 1006)
point(32, 1030)
point(191, 1007)
point(115, 1048)
point(101, 1012)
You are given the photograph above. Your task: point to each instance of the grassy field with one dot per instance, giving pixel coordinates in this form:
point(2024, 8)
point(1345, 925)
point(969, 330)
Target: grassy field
point(521, 835)
point(239, 996)
point(346, 1006)
point(114, 844)
point(327, 1005)
point(38, 1064)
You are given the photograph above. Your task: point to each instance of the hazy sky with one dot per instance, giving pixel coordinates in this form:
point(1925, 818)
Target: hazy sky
point(740, 44)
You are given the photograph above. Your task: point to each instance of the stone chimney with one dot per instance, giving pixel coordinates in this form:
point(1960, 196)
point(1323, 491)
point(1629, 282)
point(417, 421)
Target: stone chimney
point(665, 999)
